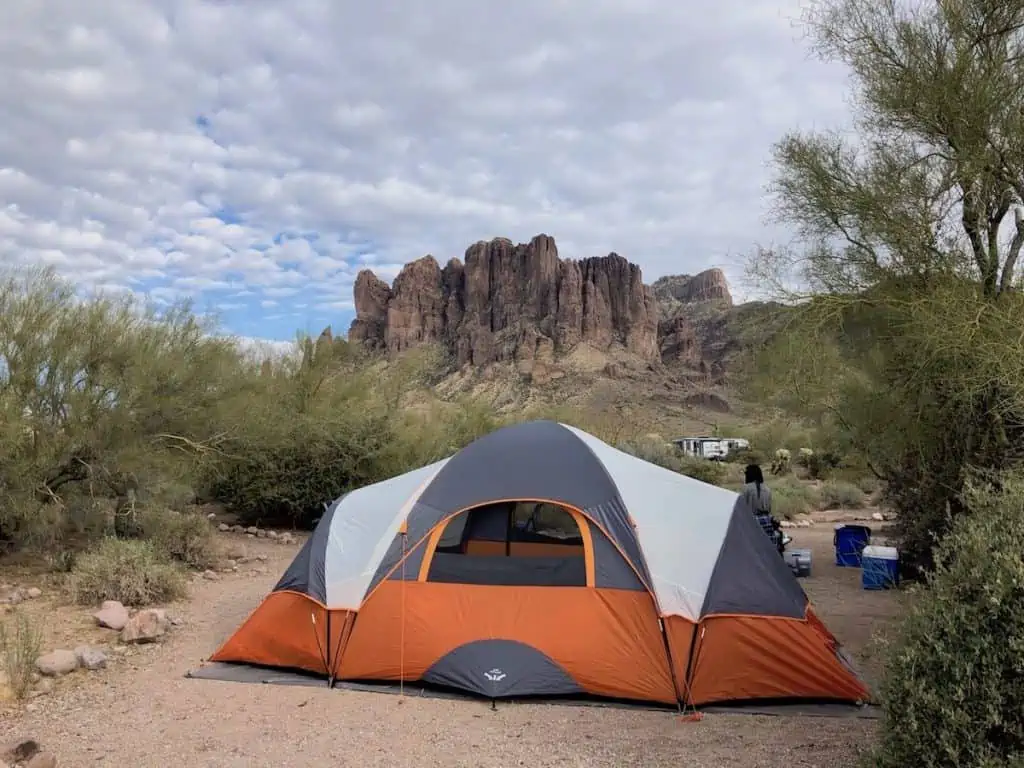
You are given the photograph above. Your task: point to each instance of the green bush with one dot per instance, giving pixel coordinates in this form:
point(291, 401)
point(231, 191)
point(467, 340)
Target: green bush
point(711, 472)
point(746, 456)
point(186, 537)
point(953, 689)
point(285, 475)
point(836, 494)
point(135, 572)
point(790, 498)
point(822, 464)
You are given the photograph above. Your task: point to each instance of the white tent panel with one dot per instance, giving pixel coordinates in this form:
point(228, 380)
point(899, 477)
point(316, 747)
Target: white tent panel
point(362, 529)
point(681, 525)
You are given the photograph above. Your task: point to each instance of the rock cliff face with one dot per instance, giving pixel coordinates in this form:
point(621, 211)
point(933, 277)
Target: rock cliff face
point(509, 302)
point(522, 303)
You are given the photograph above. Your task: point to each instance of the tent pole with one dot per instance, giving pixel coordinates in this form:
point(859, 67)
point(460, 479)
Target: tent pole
point(671, 663)
point(401, 660)
point(689, 661)
point(330, 676)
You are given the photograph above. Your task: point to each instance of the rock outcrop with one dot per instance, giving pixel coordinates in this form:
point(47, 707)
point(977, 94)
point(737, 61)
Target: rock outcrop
point(524, 304)
point(508, 302)
point(709, 285)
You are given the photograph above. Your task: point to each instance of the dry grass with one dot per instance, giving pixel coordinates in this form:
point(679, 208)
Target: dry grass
point(134, 572)
point(19, 649)
point(186, 536)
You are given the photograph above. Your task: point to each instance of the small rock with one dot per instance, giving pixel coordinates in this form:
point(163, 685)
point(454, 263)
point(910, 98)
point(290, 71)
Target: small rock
point(56, 663)
point(210, 575)
point(877, 516)
point(176, 621)
point(145, 627)
point(287, 538)
point(250, 535)
point(33, 592)
point(91, 658)
point(43, 687)
point(15, 597)
point(261, 534)
point(112, 615)
point(785, 524)
point(223, 527)
point(22, 749)
point(262, 558)
point(272, 534)
point(43, 760)
point(211, 516)
point(231, 564)
point(252, 529)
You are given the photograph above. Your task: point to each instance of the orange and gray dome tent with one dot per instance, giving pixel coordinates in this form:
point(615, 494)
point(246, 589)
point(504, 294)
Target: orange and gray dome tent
point(540, 561)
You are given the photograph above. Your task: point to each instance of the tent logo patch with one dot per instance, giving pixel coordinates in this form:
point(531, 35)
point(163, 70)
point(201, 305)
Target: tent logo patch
point(495, 675)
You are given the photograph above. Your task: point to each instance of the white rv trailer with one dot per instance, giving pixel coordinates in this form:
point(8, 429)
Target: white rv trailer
point(714, 448)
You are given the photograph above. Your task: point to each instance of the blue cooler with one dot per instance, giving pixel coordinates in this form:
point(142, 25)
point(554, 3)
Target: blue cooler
point(880, 567)
point(849, 540)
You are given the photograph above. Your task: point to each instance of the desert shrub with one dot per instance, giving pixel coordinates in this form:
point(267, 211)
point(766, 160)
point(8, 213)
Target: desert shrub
point(779, 433)
point(746, 456)
point(135, 572)
point(98, 397)
point(953, 689)
point(20, 646)
point(836, 494)
point(711, 472)
point(822, 464)
point(186, 537)
point(659, 453)
point(285, 478)
point(781, 462)
point(667, 456)
point(790, 498)
point(327, 422)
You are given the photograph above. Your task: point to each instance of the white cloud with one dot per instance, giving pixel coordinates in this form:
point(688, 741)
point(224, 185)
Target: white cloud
point(256, 154)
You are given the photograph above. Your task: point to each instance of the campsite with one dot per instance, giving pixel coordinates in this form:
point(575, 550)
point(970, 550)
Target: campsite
point(217, 723)
point(528, 384)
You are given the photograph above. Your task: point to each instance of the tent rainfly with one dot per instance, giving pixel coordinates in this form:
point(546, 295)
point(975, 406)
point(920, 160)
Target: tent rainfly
point(540, 561)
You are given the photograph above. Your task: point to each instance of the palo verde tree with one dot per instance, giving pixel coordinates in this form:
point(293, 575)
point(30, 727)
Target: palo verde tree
point(907, 331)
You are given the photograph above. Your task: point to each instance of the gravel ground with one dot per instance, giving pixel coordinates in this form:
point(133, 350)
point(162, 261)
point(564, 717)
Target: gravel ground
point(145, 713)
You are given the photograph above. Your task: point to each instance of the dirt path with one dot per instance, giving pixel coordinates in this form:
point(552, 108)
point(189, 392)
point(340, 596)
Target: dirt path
point(146, 713)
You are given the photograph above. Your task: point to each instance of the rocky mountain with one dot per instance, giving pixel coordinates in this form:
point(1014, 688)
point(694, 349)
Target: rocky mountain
point(523, 303)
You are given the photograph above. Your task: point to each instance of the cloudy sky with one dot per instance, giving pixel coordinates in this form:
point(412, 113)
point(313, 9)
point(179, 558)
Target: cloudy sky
point(255, 155)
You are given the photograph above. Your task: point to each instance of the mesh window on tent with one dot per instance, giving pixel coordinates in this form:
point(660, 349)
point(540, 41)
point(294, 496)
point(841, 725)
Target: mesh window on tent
point(521, 543)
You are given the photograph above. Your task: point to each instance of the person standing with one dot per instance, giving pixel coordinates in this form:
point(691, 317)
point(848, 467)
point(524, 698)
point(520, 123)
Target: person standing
point(759, 497)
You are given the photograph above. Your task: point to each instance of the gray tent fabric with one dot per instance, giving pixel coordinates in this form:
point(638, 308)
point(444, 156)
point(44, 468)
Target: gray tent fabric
point(306, 572)
point(501, 669)
point(507, 464)
point(750, 578)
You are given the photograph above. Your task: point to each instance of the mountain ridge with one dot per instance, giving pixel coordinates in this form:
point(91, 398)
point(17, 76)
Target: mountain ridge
point(524, 304)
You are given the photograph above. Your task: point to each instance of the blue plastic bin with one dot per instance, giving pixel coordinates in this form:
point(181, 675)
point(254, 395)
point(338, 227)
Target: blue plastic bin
point(849, 540)
point(880, 567)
